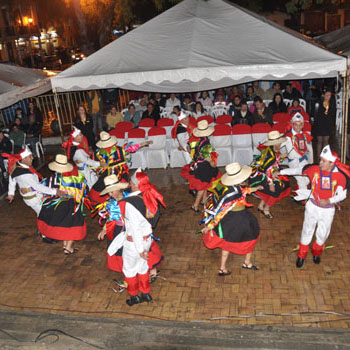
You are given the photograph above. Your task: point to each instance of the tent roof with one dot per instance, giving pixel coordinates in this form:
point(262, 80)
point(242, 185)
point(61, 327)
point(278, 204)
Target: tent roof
point(198, 45)
point(337, 41)
point(17, 83)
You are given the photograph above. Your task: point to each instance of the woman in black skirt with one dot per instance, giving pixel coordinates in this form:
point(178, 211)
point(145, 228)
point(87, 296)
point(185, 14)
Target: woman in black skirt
point(62, 218)
point(265, 170)
point(229, 225)
point(202, 170)
point(324, 120)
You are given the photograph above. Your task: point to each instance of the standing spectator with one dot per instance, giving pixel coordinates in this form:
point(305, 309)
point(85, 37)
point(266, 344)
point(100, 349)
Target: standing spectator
point(94, 99)
point(172, 101)
point(84, 123)
point(250, 94)
point(23, 118)
point(131, 115)
point(109, 98)
point(150, 113)
point(113, 117)
point(160, 99)
point(5, 147)
point(258, 90)
point(291, 93)
point(324, 120)
point(261, 114)
point(188, 104)
point(35, 111)
point(243, 116)
point(270, 93)
point(277, 105)
point(18, 137)
point(33, 134)
point(295, 107)
point(205, 100)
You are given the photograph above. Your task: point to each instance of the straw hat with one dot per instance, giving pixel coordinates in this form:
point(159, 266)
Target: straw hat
point(60, 164)
point(112, 184)
point(106, 140)
point(235, 174)
point(274, 138)
point(203, 129)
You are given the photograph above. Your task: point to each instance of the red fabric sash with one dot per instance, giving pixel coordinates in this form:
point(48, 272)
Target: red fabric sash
point(82, 145)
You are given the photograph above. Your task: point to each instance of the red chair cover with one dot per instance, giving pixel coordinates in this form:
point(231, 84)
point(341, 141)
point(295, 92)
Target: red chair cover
point(240, 129)
point(165, 122)
point(281, 127)
point(136, 133)
point(224, 119)
point(124, 126)
point(208, 118)
point(119, 134)
point(260, 128)
point(147, 123)
point(221, 130)
point(155, 131)
point(281, 118)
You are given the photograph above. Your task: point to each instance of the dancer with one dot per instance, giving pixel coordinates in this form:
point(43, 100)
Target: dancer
point(299, 149)
point(78, 151)
point(183, 132)
point(329, 181)
point(27, 178)
point(62, 219)
point(115, 224)
point(229, 225)
point(202, 170)
point(115, 158)
point(264, 173)
point(141, 212)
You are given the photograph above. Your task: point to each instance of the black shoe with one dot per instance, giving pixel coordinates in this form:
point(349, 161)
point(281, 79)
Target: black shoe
point(146, 297)
point(299, 262)
point(193, 192)
point(48, 240)
point(317, 259)
point(134, 299)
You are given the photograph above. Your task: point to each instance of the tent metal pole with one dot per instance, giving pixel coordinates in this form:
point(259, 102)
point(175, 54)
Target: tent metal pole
point(345, 111)
point(58, 112)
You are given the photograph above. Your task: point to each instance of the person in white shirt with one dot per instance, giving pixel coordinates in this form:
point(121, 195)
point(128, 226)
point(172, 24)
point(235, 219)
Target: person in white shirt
point(78, 151)
point(183, 136)
point(172, 101)
point(141, 212)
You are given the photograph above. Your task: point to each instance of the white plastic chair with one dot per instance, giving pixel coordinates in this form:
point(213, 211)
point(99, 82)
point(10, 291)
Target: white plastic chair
point(219, 109)
point(242, 144)
point(178, 158)
point(221, 141)
point(302, 103)
point(156, 154)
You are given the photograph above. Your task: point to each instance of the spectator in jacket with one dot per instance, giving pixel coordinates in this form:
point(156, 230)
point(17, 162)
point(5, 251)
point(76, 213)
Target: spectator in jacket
point(258, 90)
point(188, 104)
point(131, 115)
point(84, 123)
point(243, 116)
point(261, 114)
point(22, 117)
point(291, 93)
point(150, 112)
point(250, 94)
point(18, 137)
point(33, 110)
point(270, 93)
point(277, 105)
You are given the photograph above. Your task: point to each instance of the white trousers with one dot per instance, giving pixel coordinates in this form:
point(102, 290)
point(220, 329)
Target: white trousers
point(90, 176)
point(320, 217)
point(35, 203)
point(302, 181)
point(133, 264)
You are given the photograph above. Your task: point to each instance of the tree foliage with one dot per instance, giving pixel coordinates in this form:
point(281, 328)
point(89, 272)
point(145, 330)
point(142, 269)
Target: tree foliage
point(296, 6)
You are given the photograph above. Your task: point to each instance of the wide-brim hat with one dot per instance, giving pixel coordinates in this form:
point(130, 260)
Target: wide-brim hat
point(203, 129)
point(106, 140)
point(274, 138)
point(60, 164)
point(235, 174)
point(112, 184)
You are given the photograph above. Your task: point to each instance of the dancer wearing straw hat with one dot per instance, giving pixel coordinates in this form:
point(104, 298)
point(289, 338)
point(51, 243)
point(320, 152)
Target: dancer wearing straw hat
point(299, 149)
point(329, 181)
point(115, 159)
point(264, 173)
point(62, 218)
point(229, 225)
point(78, 151)
point(202, 170)
point(115, 223)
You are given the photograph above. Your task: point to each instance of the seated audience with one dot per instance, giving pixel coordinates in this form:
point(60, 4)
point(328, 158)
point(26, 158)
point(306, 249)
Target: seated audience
point(243, 116)
point(261, 114)
point(277, 105)
point(150, 112)
point(172, 101)
point(132, 115)
point(33, 110)
point(291, 93)
point(205, 100)
point(270, 93)
point(199, 110)
point(250, 94)
point(18, 137)
point(113, 117)
point(295, 107)
point(188, 104)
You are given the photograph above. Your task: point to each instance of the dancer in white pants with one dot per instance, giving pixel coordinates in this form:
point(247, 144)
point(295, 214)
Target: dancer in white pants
point(328, 187)
point(299, 149)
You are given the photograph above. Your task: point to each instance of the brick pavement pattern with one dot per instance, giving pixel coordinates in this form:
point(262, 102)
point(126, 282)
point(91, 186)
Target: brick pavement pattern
point(39, 277)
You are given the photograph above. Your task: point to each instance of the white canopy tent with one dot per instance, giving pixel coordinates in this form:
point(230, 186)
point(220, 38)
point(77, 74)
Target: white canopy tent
point(18, 83)
point(199, 45)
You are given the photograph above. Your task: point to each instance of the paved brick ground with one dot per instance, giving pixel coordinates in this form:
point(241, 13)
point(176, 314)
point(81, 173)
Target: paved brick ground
point(39, 277)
